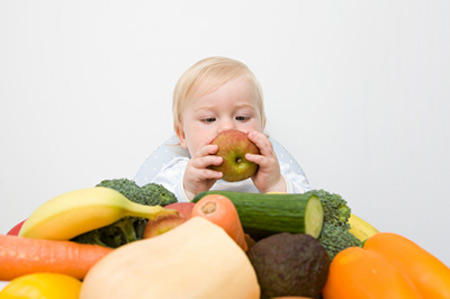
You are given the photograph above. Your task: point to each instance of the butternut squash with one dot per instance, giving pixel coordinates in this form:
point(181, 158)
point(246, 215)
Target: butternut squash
point(197, 259)
point(356, 273)
point(429, 274)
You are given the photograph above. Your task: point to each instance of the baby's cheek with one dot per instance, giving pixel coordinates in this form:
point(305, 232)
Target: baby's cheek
point(249, 127)
point(256, 125)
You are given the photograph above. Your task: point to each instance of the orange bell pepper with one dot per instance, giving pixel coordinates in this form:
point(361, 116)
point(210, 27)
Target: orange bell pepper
point(429, 274)
point(362, 274)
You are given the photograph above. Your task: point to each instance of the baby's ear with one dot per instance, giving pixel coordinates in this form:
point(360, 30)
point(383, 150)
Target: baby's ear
point(180, 133)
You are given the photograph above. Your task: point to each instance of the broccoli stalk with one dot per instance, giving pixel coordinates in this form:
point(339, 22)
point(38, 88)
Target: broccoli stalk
point(127, 229)
point(335, 235)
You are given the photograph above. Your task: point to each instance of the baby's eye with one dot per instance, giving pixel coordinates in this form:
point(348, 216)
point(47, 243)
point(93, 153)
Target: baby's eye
point(208, 119)
point(242, 118)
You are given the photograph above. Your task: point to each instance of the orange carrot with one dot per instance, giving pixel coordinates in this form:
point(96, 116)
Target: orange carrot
point(221, 211)
point(429, 274)
point(20, 256)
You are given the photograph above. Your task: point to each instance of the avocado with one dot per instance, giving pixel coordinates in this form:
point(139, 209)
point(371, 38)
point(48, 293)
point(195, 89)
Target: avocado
point(290, 265)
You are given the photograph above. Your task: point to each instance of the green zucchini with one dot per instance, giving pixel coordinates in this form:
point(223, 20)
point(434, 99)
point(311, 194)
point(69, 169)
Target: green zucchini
point(273, 213)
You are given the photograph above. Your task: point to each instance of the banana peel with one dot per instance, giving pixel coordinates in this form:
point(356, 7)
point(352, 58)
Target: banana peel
point(74, 213)
point(360, 228)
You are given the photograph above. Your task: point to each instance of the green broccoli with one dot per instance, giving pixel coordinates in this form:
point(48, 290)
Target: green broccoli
point(127, 229)
point(335, 238)
point(335, 235)
point(157, 193)
point(125, 186)
point(151, 194)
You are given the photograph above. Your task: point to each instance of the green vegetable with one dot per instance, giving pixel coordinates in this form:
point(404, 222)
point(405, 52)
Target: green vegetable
point(335, 208)
point(125, 186)
point(155, 194)
point(335, 235)
point(151, 194)
point(127, 229)
point(336, 238)
point(272, 213)
point(121, 232)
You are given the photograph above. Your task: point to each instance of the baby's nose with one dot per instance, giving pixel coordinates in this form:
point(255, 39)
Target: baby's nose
point(227, 124)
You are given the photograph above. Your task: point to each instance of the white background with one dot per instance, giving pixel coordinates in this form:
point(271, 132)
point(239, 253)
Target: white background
point(357, 91)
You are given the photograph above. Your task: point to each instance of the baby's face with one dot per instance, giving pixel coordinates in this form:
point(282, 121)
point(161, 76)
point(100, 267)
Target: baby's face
point(231, 106)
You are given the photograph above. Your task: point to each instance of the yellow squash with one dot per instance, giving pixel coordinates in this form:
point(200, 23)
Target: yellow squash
point(197, 259)
point(360, 228)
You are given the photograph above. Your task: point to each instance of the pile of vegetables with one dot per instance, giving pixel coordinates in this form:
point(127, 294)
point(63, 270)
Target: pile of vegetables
point(222, 245)
point(265, 214)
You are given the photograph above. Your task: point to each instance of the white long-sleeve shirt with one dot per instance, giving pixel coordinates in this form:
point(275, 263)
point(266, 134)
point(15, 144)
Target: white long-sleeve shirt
point(167, 164)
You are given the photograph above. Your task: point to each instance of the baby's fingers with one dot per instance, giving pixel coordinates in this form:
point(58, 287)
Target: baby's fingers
point(209, 149)
point(262, 142)
point(208, 174)
point(258, 159)
point(204, 162)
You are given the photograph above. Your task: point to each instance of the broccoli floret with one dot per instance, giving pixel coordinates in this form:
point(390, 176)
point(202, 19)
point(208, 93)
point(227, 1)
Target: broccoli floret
point(335, 236)
point(127, 187)
point(127, 229)
point(158, 193)
point(151, 194)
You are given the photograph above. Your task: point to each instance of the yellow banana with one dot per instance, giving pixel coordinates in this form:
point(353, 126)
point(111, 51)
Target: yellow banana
point(74, 213)
point(360, 228)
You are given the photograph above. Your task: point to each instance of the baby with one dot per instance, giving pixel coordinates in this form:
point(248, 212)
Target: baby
point(214, 95)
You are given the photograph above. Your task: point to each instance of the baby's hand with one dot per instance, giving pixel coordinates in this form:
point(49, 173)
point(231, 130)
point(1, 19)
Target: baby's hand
point(268, 178)
point(197, 176)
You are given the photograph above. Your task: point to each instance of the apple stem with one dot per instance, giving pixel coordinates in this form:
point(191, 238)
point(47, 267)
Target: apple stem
point(209, 207)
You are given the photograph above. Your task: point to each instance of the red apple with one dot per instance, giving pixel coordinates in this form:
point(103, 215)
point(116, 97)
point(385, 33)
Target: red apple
point(162, 225)
point(233, 145)
point(16, 229)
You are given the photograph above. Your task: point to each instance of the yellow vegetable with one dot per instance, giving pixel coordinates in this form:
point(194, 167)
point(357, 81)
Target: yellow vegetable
point(74, 213)
point(197, 259)
point(42, 286)
point(360, 228)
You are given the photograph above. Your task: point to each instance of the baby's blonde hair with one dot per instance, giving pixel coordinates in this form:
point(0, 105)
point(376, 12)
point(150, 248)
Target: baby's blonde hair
point(210, 73)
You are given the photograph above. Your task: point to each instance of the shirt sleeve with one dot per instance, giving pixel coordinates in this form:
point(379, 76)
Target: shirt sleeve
point(294, 176)
point(171, 177)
